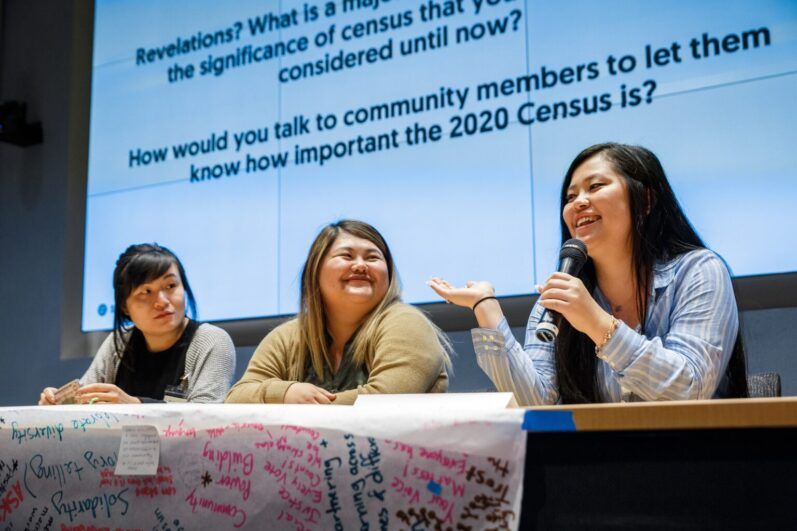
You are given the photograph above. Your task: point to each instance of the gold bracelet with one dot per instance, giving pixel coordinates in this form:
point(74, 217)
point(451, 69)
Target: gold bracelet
point(608, 335)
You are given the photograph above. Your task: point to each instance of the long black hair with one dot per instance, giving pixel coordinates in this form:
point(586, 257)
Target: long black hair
point(139, 264)
point(660, 231)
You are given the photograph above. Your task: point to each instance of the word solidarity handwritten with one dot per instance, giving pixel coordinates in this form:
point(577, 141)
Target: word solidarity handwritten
point(109, 505)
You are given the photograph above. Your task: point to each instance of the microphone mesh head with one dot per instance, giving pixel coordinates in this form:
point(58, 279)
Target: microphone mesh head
point(574, 249)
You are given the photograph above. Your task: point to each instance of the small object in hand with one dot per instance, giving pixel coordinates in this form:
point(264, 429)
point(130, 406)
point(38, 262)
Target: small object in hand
point(67, 392)
point(93, 400)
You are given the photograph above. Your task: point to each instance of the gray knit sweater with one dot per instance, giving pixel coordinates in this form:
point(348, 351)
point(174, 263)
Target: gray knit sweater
point(209, 364)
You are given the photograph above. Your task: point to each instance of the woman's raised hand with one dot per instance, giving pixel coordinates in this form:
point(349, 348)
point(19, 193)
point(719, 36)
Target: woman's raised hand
point(305, 393)
point(468, 296)
point(488, 313)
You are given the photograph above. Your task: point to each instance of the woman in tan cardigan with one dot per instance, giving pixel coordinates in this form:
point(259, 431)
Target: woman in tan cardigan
point(352, 334)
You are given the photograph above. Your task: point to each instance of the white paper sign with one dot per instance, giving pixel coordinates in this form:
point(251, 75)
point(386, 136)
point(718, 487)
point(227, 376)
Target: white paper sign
point(461, 401)
point(257, 466)
point(139, 451)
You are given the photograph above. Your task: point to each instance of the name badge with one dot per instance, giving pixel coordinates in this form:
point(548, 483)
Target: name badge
point(174, 395)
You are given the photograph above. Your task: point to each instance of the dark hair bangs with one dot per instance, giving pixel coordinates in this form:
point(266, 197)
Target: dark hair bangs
point(144, 268)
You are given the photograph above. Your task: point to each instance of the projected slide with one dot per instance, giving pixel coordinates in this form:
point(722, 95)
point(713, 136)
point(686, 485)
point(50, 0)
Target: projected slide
point(232, 131)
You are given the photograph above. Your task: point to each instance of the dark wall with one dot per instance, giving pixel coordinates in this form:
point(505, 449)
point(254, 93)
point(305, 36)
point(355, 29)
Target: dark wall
point(40, 42)
point(44, 61)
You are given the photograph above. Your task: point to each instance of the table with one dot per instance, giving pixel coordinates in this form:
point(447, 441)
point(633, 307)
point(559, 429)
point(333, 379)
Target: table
point(729, 464)
point(725, 464)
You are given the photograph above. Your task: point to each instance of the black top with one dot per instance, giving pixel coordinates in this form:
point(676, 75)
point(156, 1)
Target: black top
point(146, 374)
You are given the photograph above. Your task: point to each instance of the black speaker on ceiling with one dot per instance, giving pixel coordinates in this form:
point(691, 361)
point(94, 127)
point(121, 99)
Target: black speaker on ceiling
point(14, 128)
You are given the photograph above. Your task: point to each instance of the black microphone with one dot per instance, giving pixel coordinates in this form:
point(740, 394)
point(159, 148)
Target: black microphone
point(572, 258)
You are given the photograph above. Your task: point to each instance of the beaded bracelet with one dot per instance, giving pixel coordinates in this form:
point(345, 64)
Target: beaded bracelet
point(482, 300)
point(608, 335)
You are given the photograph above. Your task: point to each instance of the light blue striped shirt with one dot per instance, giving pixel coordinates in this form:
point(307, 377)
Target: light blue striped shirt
point(681, 354)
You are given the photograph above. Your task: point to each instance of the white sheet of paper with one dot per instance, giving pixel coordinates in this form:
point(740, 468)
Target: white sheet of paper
point(263, 466)
point(466, 401)
point(139, 451)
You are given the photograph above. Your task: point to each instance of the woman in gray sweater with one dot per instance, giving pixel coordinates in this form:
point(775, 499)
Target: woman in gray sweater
point(155, 352)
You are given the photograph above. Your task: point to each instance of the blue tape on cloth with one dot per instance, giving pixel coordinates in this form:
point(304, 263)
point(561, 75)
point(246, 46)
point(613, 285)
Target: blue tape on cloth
point(434, 488)
point(548, 420)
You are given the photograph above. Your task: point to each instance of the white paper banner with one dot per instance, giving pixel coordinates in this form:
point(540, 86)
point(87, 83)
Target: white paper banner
point(258, 466)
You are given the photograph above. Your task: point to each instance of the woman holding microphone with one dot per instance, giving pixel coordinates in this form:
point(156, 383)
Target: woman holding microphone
point(651, 316)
